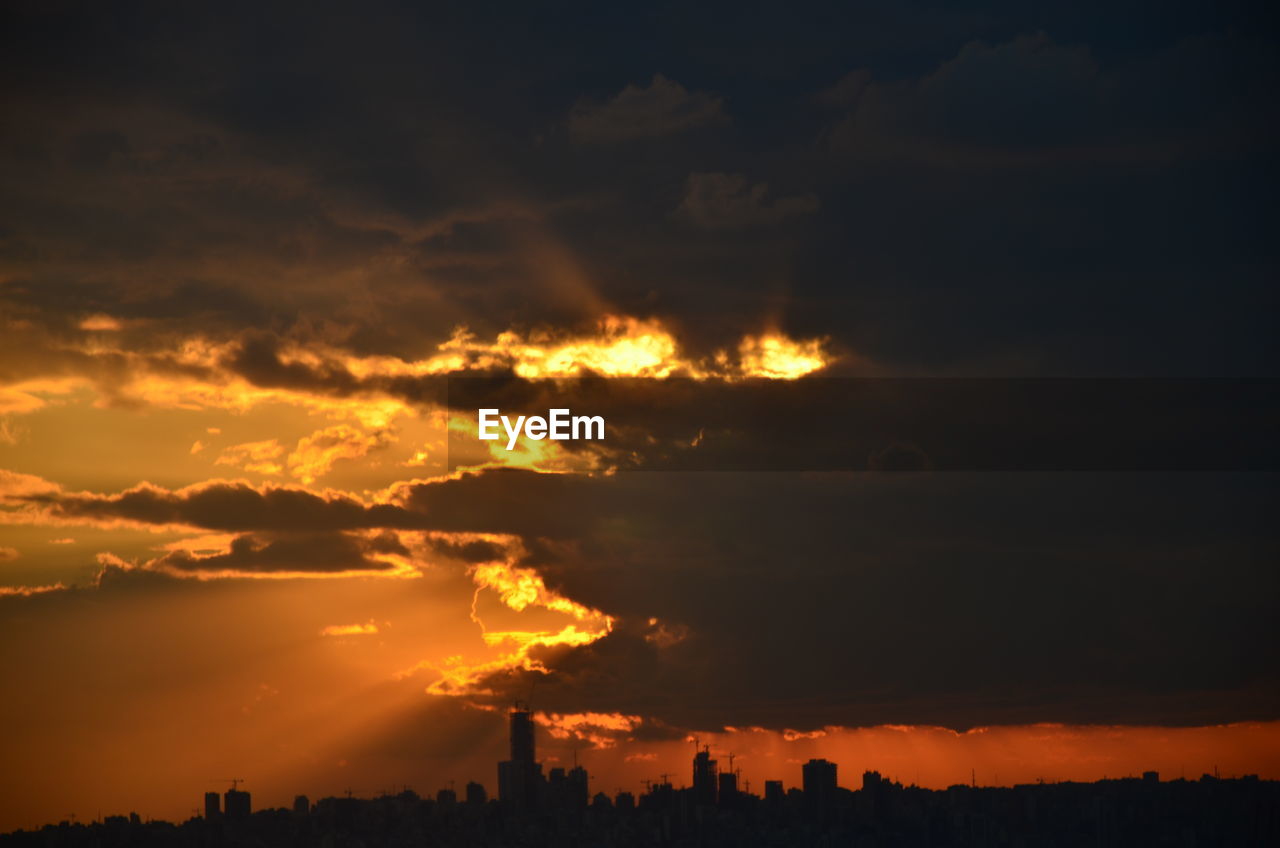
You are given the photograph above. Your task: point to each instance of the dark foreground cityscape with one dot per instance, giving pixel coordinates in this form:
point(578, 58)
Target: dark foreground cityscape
point(556, 809)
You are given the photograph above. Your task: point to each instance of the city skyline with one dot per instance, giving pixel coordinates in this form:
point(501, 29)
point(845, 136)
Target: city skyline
point(928, 354)
point(678, 765)
point(714, 805)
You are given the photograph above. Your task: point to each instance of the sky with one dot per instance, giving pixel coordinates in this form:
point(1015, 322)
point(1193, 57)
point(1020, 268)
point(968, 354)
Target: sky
point(260, 264)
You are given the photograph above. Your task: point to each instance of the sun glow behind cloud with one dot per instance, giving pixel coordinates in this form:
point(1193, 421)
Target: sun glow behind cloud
point(200, 372)
point(518, 590)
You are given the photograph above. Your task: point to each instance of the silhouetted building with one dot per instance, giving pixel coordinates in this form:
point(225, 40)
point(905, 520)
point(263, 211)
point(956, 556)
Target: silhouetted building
point(1127, 811)
point(704, 777)
point(728, 787)
point(520, 777)
point(773, 793)
point(235, 804)
point(579, 787)
point(476, 793)
point(819, 781)
point(212, 809)
point(301, 805)
point(522, 748)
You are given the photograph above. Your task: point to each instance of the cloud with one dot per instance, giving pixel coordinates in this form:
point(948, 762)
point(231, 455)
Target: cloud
point(370, 629)
point(664, 107)
point(10, 433)
point(844, 93)
point(253, 456)
point(290, 554)
point(30, 591)
point(1032, 101)
point(316, 454)
point(16, 485)
point(813, 600)
point(717, 201)
point(8, 554)
point(219, 505)
point(100, 323)
point(470, 550)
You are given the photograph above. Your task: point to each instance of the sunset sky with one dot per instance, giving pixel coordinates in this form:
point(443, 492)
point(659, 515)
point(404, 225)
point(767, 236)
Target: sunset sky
point(252, 262)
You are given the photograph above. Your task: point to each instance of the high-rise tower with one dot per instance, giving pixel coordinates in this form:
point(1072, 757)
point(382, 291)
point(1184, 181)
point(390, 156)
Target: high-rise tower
point(522, 735)
point(704, 777)
point(520, 778)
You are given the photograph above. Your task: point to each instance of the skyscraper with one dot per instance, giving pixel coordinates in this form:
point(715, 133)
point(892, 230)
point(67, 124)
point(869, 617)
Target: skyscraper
point(520, 777)
point(235, 804)
point(522, 735)
point(704, 777)
point(476, 794)
point(212, 809)
point(819, 781)
point(773, 792)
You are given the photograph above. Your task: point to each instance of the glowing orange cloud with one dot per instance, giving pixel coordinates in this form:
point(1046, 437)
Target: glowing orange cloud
point(601, 730)
point(316, 454)
point(100, 323)
point(517, 589)
point(621, 346)
point(254, 456)
point(369, 629)
point(28, 591)
point(776, 357)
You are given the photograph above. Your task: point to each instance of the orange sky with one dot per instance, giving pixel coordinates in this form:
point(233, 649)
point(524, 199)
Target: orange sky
point(148, 662)
point(252, 267)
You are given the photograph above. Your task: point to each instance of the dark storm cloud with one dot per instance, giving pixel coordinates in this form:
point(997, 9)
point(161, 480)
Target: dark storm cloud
point(257, 359)
point(837, 424)
point(664, 107)
point(726, 201)
point(229, 506)
point(1051, 190)
point(474, 551)
point(995, 105)
point(803, 600)
point(314, 552)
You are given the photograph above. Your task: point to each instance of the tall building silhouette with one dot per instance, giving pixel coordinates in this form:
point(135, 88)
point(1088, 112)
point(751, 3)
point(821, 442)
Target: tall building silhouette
point(727, 786)
point(704, 777)
point(522, 748)
point(476, 794)
point(579, 787)
point(212, 808)
point(235, 804)
point(520, 777)
point(819, 781)
point(773, 791)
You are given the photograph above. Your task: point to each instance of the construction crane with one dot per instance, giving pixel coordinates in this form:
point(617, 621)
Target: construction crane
point(234, 781)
